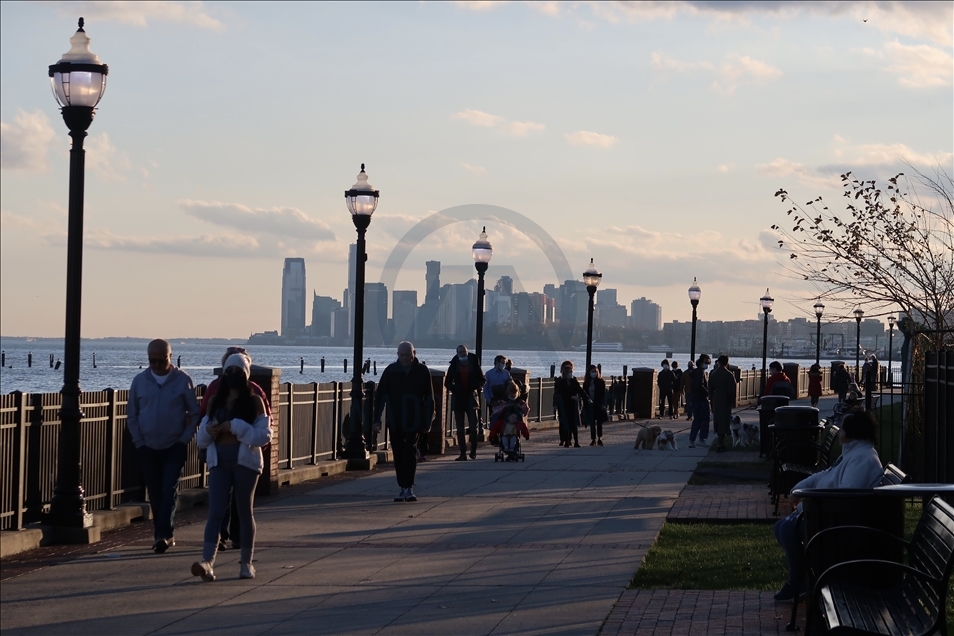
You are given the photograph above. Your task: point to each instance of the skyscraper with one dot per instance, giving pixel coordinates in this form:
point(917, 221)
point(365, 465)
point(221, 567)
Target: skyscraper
point(352, 261)
point(293, 297)
point(322, 315)
point(646, 315)
point(432, 292)
point(376, 315)
point(403, 313)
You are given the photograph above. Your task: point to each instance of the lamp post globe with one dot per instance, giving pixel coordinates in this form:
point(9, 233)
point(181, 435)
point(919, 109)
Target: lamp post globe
point(766, 303)
point(858, 313)
point(78, 81)
point(695, 293)
point(591, 278)
point(362, 201)
point(819, 310)
point(482, 251)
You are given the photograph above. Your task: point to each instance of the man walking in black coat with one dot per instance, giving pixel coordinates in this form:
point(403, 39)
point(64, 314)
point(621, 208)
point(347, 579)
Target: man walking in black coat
point(666, 381)
point(406, 390)
point(464, 378)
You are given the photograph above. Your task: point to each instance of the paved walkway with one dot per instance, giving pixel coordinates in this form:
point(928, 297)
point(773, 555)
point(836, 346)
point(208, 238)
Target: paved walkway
point(542, 547)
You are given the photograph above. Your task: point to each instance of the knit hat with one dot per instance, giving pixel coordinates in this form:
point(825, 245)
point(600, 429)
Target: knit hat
point(240, 361)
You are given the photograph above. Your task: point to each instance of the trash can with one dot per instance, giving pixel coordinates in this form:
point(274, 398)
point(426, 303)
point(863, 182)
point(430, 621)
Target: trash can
point(791, 370)
point(797, 422)
point(766, 410)
point(641, 393)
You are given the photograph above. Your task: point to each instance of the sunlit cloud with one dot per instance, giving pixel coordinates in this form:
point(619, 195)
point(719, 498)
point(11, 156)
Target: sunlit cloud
point(486, 120)
point(785, 168)
point(733, 71)
point(474, 169)
point(104, 160)
point(917, 66)
point(524, 128)
point(25, 143)
point(140, 14)
point(278, 221)
point(587, 138)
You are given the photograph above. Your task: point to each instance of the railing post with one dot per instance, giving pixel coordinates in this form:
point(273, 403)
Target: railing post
point(19, 467)
point(289, 438)
point(314, 428)
point(539, 399)
point(34, 490)
point(335, 417)
point(111, 454)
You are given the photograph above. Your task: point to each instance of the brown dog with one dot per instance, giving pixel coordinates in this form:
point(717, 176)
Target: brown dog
point(646, 437)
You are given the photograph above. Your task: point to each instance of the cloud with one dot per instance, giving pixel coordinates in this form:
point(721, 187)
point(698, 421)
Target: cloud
point(277, 221)
point(207, 245)
point(887, 154)
point(474, 169)
point(478, 118)
point(586, 138)
point(734, 70)
point(140, 14)
point(104, 160)
point(726, 167)
point(24, 144)
point(809, 176)
point(480, 5)
point(918, 66)
point(486, 120)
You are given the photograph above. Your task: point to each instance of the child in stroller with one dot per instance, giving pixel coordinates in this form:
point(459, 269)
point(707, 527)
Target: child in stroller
point(509, 425)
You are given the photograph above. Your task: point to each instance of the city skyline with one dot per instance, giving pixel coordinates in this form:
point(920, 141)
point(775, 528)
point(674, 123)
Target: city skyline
point(649, 136)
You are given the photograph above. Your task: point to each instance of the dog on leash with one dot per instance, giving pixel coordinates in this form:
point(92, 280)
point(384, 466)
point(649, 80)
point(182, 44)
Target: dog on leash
point(646, 437)
point(735, 427)
point(751, 434)
point(666, 441)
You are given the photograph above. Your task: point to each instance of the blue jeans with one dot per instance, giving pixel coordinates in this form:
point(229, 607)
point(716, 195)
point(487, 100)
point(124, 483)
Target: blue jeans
point(700, 420)
point(226, 478)
point(787, 536)
point(161, 470)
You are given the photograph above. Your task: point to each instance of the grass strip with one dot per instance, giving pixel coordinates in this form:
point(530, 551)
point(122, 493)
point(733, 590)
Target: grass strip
point(705, 556)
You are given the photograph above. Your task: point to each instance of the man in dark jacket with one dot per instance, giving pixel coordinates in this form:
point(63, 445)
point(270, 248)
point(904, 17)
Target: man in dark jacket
point(464, 378)
point(840, 379)
point(666, 382)
point(722, 394)
point(406, 390)
point(699, 398)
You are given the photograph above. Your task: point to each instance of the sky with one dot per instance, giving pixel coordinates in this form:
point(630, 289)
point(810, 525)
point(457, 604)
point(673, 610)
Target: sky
point(648, 136)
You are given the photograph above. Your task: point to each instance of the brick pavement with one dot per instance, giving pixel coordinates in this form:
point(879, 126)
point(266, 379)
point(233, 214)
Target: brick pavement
point(734, 502)
point(688, 612)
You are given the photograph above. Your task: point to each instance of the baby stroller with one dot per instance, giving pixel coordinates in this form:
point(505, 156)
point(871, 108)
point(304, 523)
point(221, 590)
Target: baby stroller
point(508, 429)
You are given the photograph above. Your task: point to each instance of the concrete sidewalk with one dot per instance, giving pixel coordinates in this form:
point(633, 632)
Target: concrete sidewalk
point(541, 547)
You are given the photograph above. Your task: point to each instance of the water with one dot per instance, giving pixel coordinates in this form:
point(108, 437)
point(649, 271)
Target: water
point(118, 362)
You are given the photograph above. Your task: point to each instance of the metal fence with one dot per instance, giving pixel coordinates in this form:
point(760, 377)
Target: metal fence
point(29, 444)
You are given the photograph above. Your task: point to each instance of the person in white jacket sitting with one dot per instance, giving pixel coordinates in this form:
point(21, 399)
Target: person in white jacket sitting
point(858, 467)
point(233, 432)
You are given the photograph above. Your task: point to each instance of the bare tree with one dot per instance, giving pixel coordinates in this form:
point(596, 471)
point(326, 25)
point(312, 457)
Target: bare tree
point(890, 250)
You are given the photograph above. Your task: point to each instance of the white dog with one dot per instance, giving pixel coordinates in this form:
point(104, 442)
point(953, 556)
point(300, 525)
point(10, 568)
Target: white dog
point(752, 434)
point(735, 427)
point(666, 441)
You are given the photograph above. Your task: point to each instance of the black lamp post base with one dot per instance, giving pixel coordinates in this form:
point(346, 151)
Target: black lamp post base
point(367, 463)
point(68, 509)
point(68, 519)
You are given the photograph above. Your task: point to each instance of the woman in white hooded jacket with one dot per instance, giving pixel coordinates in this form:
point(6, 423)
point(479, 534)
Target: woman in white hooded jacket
point(233, 433)
point(858, 467)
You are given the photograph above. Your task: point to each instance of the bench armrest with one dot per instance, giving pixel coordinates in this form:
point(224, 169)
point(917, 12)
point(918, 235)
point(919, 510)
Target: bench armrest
point(840, 569)
point(816, 540)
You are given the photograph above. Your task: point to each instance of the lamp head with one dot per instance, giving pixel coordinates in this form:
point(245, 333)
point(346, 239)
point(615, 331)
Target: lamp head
point(766, 302)
point(891, 320)
point(482, 249)
point(819, 309)
point(591, 277)
point(362, 199)
point(859, 314)
point(79, 78)
point(695, 293)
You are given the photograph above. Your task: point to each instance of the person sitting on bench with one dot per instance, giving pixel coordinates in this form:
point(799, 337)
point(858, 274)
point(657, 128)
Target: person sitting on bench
point(858, 467)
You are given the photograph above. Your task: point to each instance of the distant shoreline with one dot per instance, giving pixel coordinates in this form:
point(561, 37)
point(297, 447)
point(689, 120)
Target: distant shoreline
point(43, 339)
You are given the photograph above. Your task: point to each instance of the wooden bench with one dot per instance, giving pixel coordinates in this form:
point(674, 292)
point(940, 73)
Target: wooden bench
point(895, 597)
point(791, 464)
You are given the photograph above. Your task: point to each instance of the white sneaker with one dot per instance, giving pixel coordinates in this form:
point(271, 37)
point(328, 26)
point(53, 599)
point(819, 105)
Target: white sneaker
point(246, 571)
point(692, 444)
point(203, 569)
point(403, 496)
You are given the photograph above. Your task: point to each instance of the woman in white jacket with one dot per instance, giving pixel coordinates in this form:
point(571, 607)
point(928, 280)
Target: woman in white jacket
point(233, 432)
point(858, 467)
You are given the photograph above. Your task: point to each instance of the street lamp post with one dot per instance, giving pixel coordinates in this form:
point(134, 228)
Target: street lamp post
point(766, 303)
point(362, 200)
point(891, 321)
point(695, 293)
point(591, 278)
point(859, 314)
point(819, 310)
point(79, 80)
point(482, 253)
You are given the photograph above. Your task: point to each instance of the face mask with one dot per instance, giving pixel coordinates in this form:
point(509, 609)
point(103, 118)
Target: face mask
point(593, 375)
point(665, 367)
point(704, 366)
point(500, 367)
point(234, 380)
point(567, 373)
point(462, 358)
